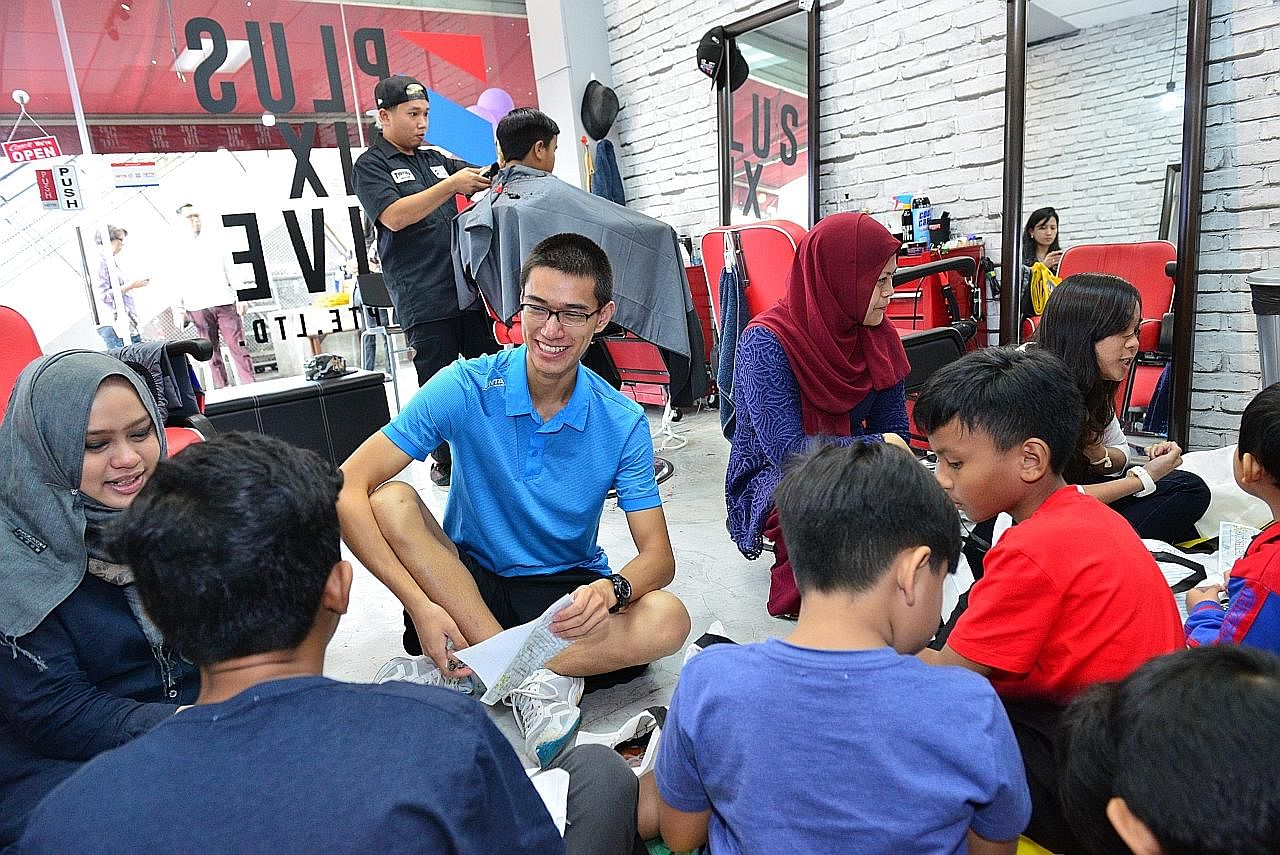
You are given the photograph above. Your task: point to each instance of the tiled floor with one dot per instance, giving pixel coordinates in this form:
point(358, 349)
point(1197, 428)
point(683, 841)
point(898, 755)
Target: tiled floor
point(712, 578)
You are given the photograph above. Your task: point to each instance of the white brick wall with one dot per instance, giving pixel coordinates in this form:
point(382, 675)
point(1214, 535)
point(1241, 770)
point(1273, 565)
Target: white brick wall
point(1097, 143)
point(1240, 223)
point(886, 63)
point(899, 114)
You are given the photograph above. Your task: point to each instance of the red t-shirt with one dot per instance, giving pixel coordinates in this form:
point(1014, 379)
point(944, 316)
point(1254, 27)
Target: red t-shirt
point(1069, 597)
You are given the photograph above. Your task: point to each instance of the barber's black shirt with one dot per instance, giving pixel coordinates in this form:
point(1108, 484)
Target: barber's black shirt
point(416, 261)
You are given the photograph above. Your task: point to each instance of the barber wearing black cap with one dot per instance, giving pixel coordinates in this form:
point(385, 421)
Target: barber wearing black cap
point(408, 191)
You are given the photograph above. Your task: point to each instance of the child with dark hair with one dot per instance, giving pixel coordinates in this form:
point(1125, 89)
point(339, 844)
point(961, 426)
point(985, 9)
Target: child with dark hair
point(836, 738)
point(528, 136)
point(1070, 596)
point(1182, 756)
point(1252, 615)
point(235, 549)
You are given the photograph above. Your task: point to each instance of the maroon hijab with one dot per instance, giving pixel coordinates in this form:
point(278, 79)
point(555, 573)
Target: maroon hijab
point(836, 360)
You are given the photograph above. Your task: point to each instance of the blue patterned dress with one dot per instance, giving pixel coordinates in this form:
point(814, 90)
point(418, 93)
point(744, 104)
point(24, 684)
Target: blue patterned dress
point(770, 430)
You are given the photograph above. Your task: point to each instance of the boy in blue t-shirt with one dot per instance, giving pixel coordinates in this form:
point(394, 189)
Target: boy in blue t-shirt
point(234, 545)
point(837, 738)
point(1252, 615)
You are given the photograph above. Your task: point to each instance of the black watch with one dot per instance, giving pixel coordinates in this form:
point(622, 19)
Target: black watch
point(621, 591)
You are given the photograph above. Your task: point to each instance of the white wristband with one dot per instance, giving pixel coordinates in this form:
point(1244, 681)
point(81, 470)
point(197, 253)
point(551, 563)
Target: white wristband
point(1148, 483)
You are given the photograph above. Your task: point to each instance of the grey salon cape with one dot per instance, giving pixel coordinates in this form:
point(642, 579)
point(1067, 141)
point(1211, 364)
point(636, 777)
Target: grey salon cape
point(492, 238)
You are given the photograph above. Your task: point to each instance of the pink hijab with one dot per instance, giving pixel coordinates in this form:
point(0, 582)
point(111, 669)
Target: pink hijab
point(837, 361)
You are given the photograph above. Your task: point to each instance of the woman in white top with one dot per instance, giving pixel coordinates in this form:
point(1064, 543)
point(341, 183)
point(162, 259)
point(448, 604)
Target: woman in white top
point(1091, 323)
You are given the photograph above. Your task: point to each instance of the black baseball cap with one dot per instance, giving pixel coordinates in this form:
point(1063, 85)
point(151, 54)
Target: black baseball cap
point(713, 50)
point(397, 90)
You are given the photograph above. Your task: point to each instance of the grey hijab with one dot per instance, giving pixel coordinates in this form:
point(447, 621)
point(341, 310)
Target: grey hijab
point(44, 520)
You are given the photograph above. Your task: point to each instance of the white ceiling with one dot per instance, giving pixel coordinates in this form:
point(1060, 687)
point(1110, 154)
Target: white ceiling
point(1048, 19)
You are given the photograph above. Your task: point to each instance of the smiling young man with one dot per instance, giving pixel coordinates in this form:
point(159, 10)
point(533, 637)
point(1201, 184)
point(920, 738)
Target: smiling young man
point(408, 191)
point(539, 441)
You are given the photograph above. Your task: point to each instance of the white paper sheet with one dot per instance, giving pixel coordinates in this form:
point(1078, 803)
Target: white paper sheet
point(503, 662)
point(1233, 540)
point(553, 787)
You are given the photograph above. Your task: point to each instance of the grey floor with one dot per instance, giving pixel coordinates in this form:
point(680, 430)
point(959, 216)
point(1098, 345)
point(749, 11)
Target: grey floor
point(712, 578)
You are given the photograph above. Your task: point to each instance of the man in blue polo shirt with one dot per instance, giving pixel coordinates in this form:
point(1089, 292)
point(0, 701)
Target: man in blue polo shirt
point(538, 442)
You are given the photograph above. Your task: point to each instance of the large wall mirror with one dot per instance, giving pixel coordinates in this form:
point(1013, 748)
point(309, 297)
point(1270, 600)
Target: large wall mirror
point(768, 123)
point(1110, 98)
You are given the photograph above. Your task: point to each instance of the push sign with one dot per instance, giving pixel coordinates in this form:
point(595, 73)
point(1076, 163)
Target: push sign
point(59, 189)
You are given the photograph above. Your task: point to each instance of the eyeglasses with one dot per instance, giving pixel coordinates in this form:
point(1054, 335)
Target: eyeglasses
point(567, 317)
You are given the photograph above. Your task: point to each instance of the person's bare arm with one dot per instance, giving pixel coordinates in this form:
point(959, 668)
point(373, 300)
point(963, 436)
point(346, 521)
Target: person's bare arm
point(1113, 489)
point(375, 462)
point(410, 209)
point(947, 656)
point(653, 568)
point(1162, 458)
point(1106, 459)
point(682, 832)
point(979, 845)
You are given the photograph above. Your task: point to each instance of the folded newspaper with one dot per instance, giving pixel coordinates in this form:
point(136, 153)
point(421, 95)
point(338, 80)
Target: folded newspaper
point(503, 662)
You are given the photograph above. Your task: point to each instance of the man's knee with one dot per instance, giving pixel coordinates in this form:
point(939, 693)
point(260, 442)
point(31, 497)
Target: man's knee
point(666, 621)
point(392, 500)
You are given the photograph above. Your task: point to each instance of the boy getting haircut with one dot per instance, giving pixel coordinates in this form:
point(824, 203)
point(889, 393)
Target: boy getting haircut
point(1069, 596)
point(1252, 613)
point(234, 546)
point(790, 745)
point(521, 129)
point(1182, 756)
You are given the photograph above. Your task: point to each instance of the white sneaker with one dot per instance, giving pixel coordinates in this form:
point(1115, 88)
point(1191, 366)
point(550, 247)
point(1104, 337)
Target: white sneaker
point(546, 709)
point(421, 670)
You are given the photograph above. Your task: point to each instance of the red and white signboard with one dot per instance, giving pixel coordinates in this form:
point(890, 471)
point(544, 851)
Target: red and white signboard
point(36, 148)
point(135, 173)
point(59, 188)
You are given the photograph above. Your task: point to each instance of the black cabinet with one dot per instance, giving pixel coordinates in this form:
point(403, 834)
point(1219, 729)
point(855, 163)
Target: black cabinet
point(330, 417)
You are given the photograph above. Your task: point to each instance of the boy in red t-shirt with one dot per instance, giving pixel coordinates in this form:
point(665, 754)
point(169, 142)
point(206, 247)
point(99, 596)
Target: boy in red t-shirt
point(1069, 596)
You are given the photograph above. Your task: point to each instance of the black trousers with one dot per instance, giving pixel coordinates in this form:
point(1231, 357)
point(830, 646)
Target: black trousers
point(1171, 512)
point(437, 343)
point(1036, 727)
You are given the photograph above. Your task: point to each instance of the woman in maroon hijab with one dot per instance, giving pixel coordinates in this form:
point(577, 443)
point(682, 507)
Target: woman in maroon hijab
point(820, 363)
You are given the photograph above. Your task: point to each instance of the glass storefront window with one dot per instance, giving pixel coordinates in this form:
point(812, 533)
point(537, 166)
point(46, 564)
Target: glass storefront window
point(252, 111)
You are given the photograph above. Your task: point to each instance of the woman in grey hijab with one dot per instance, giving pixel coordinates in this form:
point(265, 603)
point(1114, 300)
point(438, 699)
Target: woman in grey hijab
point(82, 669)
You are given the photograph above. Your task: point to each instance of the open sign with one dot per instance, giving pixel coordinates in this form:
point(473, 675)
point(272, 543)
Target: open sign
point(36, 148)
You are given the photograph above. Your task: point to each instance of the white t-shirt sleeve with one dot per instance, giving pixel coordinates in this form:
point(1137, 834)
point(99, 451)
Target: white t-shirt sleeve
point(1113, 436)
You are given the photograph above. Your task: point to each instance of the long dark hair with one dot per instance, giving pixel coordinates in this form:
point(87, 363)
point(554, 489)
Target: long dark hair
point(1038, 216)
point(1083, 310)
